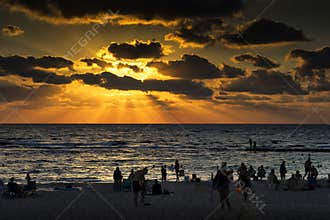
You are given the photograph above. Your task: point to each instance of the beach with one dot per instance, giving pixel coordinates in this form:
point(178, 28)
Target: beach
point(186, 201)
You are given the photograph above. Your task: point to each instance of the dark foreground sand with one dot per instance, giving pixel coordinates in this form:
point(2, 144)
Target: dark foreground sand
point(189, 201)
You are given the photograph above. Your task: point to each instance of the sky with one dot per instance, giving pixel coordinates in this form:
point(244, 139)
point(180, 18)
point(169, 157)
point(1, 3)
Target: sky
point(166, 61)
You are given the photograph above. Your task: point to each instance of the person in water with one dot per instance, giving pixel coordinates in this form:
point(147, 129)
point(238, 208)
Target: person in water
point(283, 171)
point(250, 142)
point(177, 169)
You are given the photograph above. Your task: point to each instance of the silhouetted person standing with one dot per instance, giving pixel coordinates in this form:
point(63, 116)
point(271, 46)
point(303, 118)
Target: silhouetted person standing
point(177, 169)
point(308, 166)
point(117, 177)
point(164, 173)
point(221, 184)
point(283, 170)
point(250, 141)
point(139, 185)
point(261, 172)
point(254, 145)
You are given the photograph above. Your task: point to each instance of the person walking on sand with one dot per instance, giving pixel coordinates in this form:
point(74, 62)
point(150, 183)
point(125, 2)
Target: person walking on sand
point(139, 186)
point(308, 166)
point(244, 180)
point(221, 184)
point(283, 171)
point(177, 169)
point(164, 173)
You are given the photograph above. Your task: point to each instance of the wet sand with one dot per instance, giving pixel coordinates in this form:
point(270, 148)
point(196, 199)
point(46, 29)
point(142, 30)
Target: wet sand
point(188, 201)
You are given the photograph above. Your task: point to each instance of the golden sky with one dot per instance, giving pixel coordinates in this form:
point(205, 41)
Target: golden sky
point(132, 62)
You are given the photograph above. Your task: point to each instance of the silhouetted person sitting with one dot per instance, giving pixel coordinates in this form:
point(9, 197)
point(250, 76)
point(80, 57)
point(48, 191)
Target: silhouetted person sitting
point(164, 173)
point(298, 176)
point(261, 172)
point(30, 185)
point(13, 188)
point(252, 173)
point(156, 188)
point(283, 170)
point(273, 180)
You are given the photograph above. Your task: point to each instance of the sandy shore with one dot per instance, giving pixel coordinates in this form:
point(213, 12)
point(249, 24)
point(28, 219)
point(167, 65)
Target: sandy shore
point(188, 201)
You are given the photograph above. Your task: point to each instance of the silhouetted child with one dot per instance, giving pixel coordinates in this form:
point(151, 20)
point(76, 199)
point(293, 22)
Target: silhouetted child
point(164, 173)
point(283, 170)
point(117, 177)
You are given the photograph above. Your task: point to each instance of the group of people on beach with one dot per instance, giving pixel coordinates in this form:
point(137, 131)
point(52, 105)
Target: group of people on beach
point(224, 177)
point(16, 190)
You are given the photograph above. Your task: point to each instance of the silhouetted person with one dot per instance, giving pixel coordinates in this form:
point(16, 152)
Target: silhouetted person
point(244, 179)
point(31, 185)
point(177, 169)
point(13, 188)
point(261, 172)
point(221, 184)
point(139, 185)
point(298, 175)
point(156, 188)
point(252, 173)
point(250, 142)
point(308, 166)
point(117, 177)
point(254, 145)
point(314, 173)
point(164, 173)
point(273, 180)
point(131, 176)
point(283, 170)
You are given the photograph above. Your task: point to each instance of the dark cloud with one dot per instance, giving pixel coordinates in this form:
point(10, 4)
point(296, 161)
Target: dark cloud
point(242, 97)
point(197, 32)
point(256, 60)
point(12, 30)
point(110, 81)
point(27, 67)
point(189, 67)
point(135, 68)
point(265, 82)
point(101, 63)
point(136, 50)
point(231, 71)
point(263, 32)
point(10, 92)
point(143, 9)
point(310, 60)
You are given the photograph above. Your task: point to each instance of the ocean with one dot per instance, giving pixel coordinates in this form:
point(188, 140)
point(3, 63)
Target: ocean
point(90, 153)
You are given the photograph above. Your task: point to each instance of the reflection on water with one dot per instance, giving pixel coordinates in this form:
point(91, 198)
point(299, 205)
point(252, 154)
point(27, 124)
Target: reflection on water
point(70, 153)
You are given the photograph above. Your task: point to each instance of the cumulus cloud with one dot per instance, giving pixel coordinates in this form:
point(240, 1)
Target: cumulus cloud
point(12, 30)
point(195, 67)
point(263, 32)
point(197, 32)
point(135, 68)
point(256, 60)
point(28, 67)
point(74, 11)
point(309, 60)
point(110, 81)
point(265, 82)
point(136, 50)
point(101, 63)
